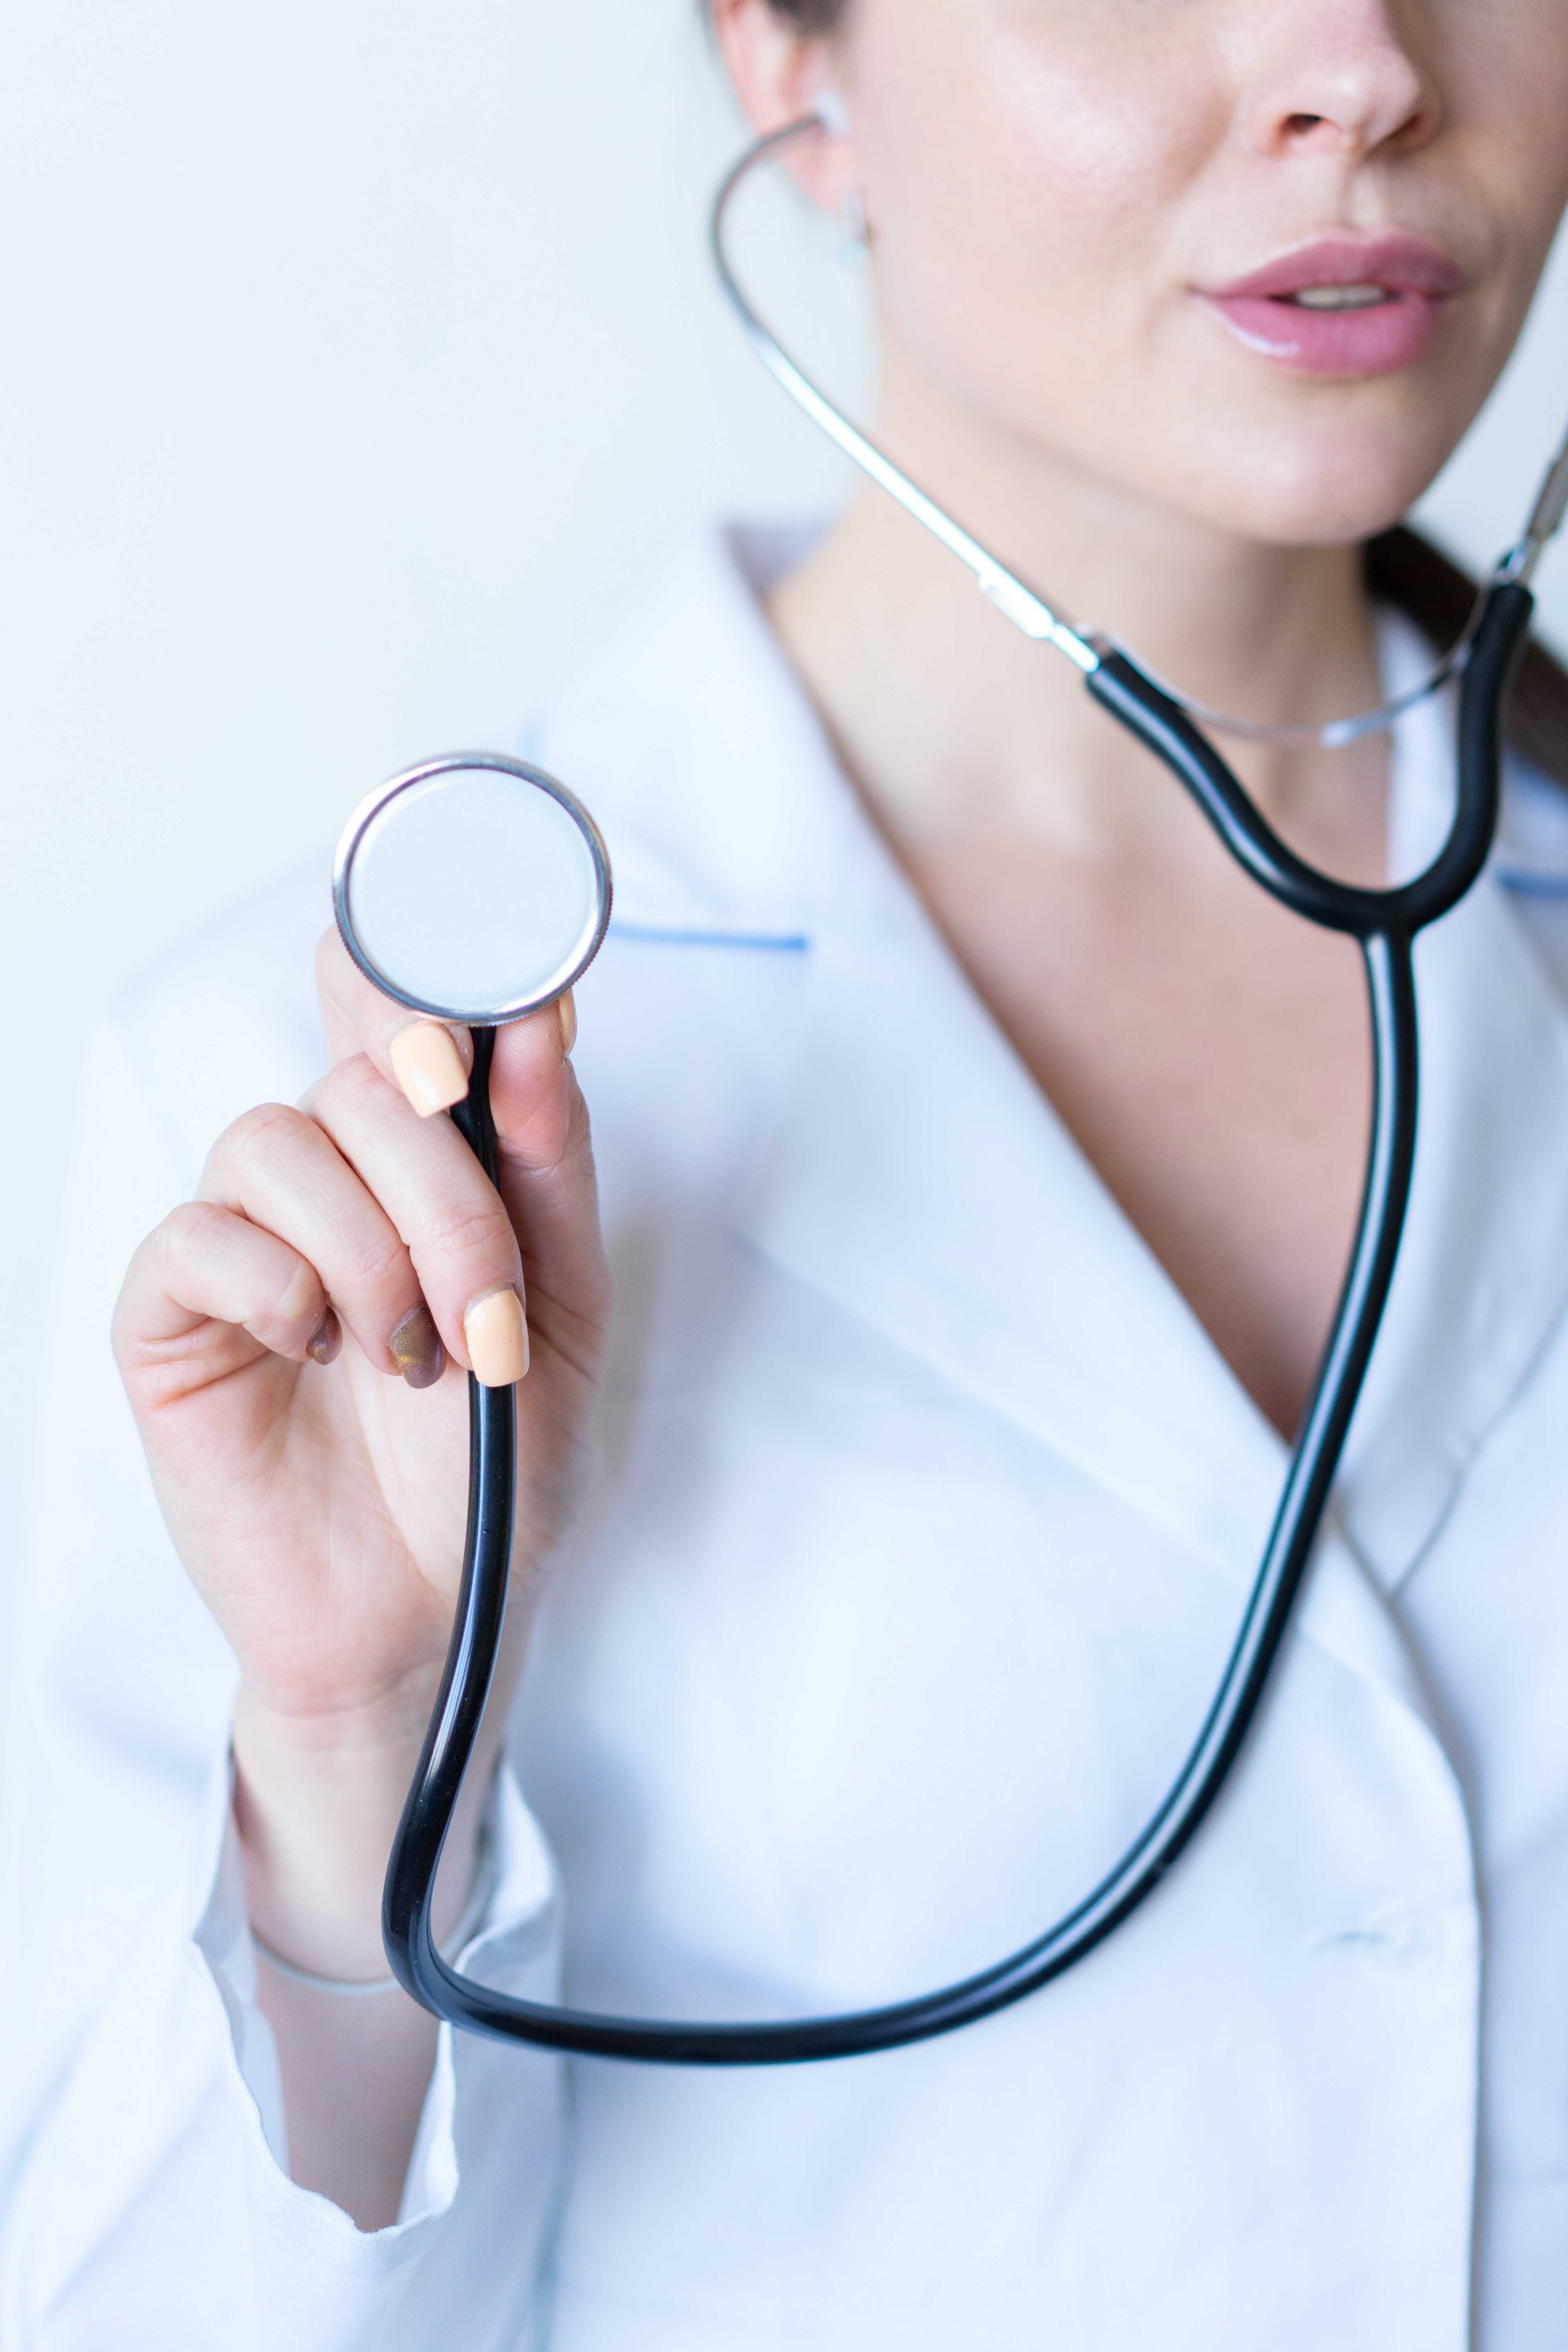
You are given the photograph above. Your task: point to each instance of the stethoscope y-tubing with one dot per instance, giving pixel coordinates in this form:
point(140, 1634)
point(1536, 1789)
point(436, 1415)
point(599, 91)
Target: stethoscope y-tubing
point(1384, 923)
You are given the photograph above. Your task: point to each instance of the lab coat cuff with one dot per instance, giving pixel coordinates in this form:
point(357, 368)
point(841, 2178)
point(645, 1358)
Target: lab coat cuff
point(157, 2188)
point(512, 1946)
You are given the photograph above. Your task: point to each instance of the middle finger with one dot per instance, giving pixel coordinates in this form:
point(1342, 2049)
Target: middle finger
point(445, 1208)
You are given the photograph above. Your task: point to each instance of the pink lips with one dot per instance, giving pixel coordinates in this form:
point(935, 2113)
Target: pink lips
point(1414, 279)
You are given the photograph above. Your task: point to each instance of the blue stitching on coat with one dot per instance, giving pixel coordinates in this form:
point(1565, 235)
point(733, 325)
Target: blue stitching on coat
point(1526, 884)
point(655, 935)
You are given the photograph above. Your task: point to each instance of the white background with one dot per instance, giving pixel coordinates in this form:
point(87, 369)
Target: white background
point(355, 357)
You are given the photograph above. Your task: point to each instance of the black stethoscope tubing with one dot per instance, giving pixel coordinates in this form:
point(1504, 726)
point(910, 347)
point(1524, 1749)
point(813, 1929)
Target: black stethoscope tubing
point(1384, 923)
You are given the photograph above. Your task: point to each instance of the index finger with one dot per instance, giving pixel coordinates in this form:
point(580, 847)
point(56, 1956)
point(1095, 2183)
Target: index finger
point(428, 1060)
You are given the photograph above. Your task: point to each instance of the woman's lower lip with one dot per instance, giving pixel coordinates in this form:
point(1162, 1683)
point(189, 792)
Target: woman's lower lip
point(1374, 342)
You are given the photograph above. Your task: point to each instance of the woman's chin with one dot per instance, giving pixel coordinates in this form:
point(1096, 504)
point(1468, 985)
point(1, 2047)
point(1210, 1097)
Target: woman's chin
point(1333, 462)
point(1307, 495)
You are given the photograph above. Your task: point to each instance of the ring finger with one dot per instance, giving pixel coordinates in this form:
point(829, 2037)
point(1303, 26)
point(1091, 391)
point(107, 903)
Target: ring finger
point(280, 1170)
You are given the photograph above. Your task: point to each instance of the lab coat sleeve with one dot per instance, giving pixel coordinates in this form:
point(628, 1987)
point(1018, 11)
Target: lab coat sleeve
point(144, 2198)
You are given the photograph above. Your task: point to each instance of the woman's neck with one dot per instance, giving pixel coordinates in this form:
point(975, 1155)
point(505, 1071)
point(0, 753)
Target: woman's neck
point(1208, 1051)
point(953, 723)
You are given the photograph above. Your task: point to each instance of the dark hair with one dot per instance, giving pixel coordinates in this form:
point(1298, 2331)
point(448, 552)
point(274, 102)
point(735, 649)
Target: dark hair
point(1407, 572)
point(810, 15)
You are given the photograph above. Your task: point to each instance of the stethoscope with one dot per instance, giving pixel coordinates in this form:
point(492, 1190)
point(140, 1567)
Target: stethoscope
point(475, 889)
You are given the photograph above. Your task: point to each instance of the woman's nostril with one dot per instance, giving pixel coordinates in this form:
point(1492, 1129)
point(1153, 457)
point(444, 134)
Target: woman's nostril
point(1298, 125)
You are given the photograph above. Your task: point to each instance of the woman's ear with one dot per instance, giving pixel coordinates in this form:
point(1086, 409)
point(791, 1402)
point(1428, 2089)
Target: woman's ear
point(780, 73)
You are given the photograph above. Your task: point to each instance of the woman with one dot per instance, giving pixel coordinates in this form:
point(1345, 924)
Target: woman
point(979, 1155)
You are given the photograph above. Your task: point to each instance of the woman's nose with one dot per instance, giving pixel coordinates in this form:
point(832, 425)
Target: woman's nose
point(1342, 77)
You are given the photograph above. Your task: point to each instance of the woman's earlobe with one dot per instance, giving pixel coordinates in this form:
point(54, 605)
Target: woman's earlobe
point(854, 236)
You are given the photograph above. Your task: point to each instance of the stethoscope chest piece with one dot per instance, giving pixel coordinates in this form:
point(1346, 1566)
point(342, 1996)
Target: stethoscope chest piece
point(473, 888)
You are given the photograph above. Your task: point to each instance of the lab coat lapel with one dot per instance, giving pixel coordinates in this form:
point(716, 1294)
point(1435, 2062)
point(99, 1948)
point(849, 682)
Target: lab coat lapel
point(918, 1179)
point(1483, 1275)
point(912, 1172)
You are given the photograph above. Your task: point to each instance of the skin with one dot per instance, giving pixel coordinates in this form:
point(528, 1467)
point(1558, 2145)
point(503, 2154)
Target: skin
point(1046, 182)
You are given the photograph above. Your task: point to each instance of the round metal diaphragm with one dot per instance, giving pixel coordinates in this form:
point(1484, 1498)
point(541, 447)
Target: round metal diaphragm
point(473, 888)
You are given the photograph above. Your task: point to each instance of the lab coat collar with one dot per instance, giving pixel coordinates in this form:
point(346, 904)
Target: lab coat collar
point(704, 763)
point(916, 1177)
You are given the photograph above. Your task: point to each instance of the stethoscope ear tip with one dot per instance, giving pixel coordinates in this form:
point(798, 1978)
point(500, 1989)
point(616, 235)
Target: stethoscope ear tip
point(831, 112)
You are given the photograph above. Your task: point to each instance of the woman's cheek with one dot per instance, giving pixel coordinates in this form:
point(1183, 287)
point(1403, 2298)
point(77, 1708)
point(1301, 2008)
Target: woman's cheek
point(1026, 202)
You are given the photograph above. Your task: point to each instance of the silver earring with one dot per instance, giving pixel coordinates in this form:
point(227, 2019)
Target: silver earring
point(854, 237)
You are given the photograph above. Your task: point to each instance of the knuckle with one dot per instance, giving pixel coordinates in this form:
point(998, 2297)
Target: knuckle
point(147, 1260)
point(256, 1137)
point(268, 1123)
point(381, 1266)
point(186, 1233)
point(296, 1308)
point(473, 1233)
point(349, 1088)
point(561, 1138)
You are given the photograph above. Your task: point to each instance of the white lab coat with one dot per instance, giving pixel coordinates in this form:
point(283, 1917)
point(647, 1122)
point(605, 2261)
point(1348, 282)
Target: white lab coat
point(923, 1515)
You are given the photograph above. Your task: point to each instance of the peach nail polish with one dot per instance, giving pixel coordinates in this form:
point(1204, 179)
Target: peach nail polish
point(567, 1006)
point(497, 1333)
point(428, 1068)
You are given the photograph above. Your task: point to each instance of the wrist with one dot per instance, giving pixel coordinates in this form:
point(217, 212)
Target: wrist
point(316, 1816)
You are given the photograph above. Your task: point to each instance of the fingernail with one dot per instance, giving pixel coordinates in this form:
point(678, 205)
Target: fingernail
point(497, 1334)
point(327, 1340)
point(416, 1349)
point(567, 1006)
point(428, 1068)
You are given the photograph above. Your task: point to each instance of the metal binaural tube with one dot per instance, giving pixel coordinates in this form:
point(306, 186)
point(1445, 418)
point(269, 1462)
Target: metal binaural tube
point(1025, 606)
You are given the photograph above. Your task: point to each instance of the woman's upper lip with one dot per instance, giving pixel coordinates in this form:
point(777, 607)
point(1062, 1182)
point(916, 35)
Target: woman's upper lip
point(1399, 262)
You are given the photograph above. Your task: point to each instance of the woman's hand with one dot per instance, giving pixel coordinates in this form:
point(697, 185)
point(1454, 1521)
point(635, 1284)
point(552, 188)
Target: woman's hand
point(293, 1341)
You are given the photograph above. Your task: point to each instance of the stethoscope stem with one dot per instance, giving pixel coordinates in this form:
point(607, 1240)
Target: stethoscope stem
point(1385, 923)
point(408, 1894)
point(1147, 712)
point(407, 1907)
